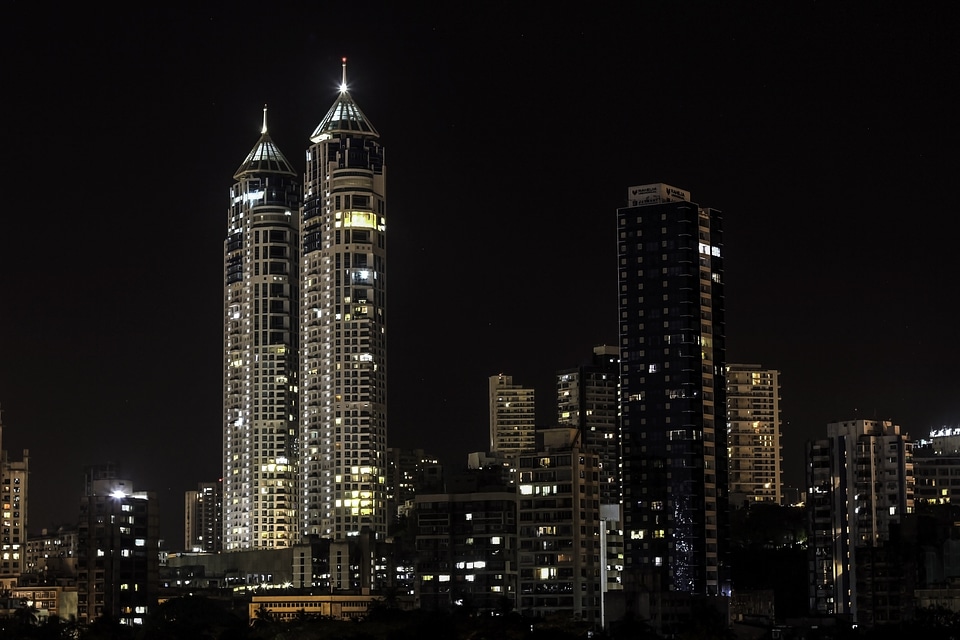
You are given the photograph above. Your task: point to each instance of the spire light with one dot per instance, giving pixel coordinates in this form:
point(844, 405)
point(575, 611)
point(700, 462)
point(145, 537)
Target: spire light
point(343, 81)
point(264, 129)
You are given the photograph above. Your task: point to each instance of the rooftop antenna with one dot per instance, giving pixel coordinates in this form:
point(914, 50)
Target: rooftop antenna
point(343, 81)
point(264, 129)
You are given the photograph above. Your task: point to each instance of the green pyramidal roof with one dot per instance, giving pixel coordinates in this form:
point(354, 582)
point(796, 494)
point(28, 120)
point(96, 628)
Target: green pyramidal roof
point(343, 117)
point(265, 157)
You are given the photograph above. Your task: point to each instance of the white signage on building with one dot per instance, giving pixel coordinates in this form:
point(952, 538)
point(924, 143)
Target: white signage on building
point(647, 194)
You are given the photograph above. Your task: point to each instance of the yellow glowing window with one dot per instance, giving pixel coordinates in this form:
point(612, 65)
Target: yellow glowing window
point(358, 219)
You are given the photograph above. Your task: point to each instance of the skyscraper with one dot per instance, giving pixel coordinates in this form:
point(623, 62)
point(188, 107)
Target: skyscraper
point(203, 518)
point(672, 356)
point(14, 482)
point(588, 399)
point(560, 527)
point(343, 326)
point(753, 434)
point(118, 560)
point(260, 352)
point(861, 492)
point(513, 417)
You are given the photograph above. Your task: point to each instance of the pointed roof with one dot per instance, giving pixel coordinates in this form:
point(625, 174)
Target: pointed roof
point(265, 157)
point(343, 117)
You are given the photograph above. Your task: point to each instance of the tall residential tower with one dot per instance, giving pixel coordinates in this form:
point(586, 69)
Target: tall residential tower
point(203, 518)
point(14, 481)
point(672, 350)
point(260, 352)
point(513, 420)
point(753, 434)
point(343, 327)
point(588, 399)
point(118, 551)
point(860, 499)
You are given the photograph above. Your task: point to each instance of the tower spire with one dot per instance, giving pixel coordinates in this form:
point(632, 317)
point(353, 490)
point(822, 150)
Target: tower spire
point(343, 81)
point(264, 129)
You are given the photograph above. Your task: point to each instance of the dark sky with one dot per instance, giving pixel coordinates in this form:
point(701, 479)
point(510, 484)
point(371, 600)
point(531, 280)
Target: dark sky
point(824, 133)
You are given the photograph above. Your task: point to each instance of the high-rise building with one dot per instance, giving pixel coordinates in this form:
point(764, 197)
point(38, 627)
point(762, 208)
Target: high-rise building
point(14, 481)
point(860, 494)
point(118, 559)
point(260, 336)
point(753, 434)
point(936, 464)
point(672, 363)
point(305, 416)
point(588, 399)
point(466, 544)
point(343, 327)
point(513, 417)
point(203, 518)
point(560, 528)
point(409, 472)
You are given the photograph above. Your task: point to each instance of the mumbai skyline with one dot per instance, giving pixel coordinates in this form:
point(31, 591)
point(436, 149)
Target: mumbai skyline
point(822, 134)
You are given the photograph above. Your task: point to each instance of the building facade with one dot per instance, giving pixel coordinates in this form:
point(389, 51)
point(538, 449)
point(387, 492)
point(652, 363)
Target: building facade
point(672, 364)
point(513, 417)
point(860, 495)
point(754, 431)
point(588, 399)
point(260, 352)
point(203, 518)
point(343, 326)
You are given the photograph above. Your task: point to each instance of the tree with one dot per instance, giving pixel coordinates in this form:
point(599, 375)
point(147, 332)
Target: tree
point(106, 627)
point(27, 615)
point(191, 617)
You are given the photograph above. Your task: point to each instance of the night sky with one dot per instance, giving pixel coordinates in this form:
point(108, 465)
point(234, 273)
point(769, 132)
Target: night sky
point(824, 133)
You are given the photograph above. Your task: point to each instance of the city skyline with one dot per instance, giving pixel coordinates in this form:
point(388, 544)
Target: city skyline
point(822, 135)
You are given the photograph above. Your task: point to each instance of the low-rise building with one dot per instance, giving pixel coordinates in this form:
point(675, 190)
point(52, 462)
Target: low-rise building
point(49, 601)
point(337, 606)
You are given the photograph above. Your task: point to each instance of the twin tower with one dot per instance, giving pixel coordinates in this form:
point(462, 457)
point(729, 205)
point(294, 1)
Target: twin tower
point(304, 353)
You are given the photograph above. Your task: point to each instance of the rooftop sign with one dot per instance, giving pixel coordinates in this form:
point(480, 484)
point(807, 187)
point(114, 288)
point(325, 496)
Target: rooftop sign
point(647, 194)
